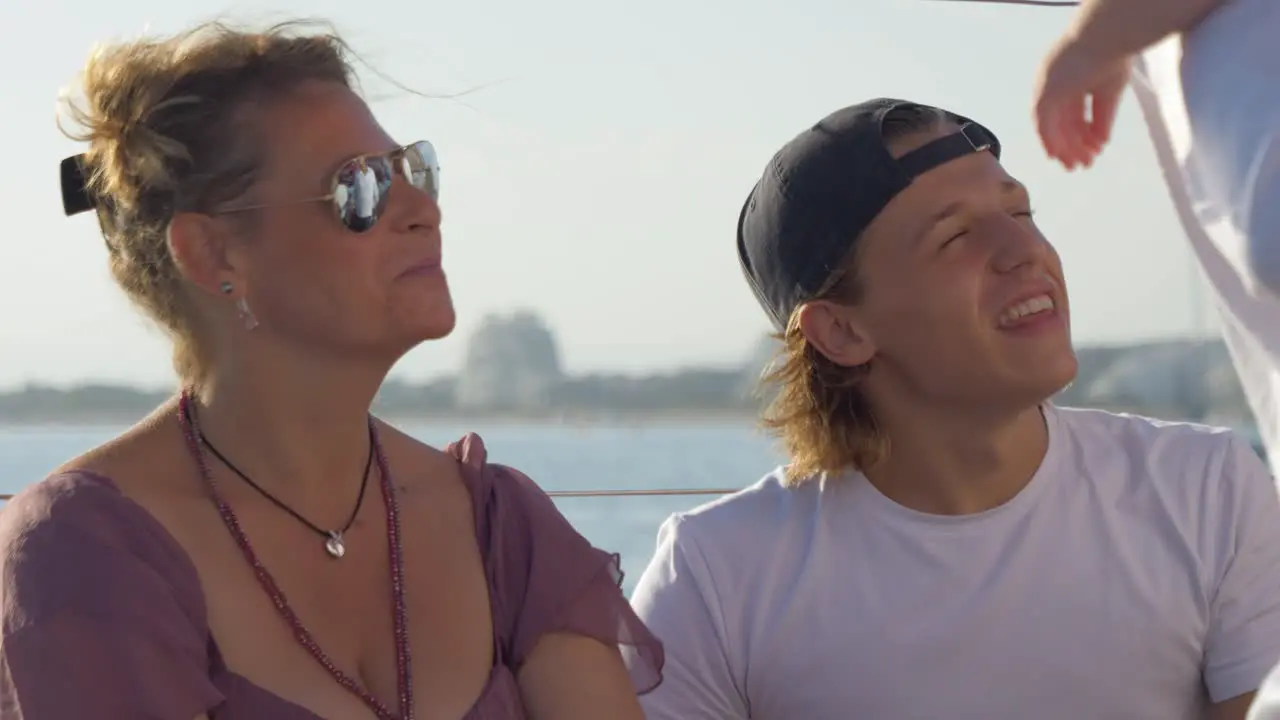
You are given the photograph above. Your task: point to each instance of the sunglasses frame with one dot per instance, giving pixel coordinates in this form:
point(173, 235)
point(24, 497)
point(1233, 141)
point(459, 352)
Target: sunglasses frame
point(392, 157)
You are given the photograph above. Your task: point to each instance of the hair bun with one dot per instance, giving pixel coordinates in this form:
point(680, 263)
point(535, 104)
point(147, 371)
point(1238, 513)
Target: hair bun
point(120, 94)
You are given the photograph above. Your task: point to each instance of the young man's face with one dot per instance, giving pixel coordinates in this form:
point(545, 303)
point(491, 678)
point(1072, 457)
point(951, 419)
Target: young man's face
point(962, 298)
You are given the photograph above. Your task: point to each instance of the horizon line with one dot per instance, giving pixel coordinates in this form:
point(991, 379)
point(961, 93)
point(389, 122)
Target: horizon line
point(89, 381)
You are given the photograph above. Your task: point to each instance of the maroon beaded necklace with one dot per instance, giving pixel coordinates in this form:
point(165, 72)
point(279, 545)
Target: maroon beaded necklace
point(404, 676)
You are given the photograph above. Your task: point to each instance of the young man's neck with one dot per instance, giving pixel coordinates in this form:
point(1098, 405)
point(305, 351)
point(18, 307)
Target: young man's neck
point(950, 463)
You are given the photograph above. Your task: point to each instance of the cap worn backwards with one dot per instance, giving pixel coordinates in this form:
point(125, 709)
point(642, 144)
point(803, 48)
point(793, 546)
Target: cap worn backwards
point(821, 191)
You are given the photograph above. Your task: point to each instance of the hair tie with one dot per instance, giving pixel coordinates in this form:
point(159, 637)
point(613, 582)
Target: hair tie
point(76, 198)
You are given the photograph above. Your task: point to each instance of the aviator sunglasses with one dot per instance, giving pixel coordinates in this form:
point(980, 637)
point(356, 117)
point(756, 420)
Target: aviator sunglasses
point(360, 187)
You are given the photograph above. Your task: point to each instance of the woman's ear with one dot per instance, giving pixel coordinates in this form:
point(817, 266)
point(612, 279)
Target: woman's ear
point(201, 249)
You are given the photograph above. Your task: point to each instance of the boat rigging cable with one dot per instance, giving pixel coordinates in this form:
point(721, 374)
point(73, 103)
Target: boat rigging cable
point(602, 493)
point(1040, 3)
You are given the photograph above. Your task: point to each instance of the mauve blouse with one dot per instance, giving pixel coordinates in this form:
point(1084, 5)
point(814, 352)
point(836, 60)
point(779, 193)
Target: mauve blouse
point(104, 617)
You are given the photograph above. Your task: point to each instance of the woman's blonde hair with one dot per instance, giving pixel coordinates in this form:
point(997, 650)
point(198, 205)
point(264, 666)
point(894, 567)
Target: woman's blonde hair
point(170, 129)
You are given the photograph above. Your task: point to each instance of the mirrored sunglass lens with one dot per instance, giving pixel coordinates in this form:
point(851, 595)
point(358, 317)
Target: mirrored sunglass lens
point(381, 168)
point(421, 168)
point(359, 193)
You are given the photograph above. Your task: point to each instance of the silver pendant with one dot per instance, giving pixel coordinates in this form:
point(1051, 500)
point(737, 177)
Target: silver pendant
point(334, 545)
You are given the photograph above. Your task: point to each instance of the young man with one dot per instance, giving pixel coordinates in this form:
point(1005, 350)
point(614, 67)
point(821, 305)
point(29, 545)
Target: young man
point(945, 543)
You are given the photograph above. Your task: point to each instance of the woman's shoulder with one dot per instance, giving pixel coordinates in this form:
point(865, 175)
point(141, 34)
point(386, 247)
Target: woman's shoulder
point(465, 467)
point(511, 511)
point(549, 578)
point(78, 541)
point(102, 614)
point(546, 577)
point(73, 542)
point(69, 509)
point(503, 494)
point(70, 499)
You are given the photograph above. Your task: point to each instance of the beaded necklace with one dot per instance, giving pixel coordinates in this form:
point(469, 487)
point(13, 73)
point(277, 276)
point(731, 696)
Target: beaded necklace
point(404, 675)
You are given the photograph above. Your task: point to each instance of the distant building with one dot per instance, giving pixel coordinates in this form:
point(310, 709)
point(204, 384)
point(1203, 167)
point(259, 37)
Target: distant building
point(512, 364)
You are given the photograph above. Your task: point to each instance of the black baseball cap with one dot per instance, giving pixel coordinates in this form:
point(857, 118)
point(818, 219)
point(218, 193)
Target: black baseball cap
point(821, 191)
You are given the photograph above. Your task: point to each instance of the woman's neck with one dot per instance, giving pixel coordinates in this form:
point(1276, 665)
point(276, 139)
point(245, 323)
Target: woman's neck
point(300, 432)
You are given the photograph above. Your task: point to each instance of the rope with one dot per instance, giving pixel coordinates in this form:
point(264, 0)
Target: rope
point(1040, 3)
point(604, 493)
point(638, 493)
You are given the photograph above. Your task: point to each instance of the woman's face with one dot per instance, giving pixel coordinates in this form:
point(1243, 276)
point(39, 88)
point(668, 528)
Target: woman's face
point(340, 275)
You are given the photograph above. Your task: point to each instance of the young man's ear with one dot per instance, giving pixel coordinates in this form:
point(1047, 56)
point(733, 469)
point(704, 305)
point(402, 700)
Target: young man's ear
point(833, 329)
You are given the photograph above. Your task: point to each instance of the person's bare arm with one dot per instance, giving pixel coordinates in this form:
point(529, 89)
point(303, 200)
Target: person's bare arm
point(1119, 28)
point(572, 677)
point(1086, 72)
point(1234, 709)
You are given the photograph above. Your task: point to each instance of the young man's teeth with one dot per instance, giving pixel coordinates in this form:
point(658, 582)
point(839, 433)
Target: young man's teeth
point(1037, 304)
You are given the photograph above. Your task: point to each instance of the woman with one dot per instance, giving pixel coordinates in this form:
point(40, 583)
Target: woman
point(1204, 75)
point(1206, 84)
point(260, 547)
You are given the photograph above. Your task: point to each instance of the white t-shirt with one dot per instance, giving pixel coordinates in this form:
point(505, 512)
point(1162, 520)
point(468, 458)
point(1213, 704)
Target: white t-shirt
point(1211, 102)
point(1212, 105)
point(1136, 575)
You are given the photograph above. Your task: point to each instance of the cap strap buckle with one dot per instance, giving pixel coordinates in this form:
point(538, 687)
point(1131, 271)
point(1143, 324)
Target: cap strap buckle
point(971, 138)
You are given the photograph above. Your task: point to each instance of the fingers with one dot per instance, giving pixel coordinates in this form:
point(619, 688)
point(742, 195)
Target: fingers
point(1076, 108)
point(1046, 131)
point(1079, 150)
point(1067, 131)
point(1103, 115)
point(1047, 118)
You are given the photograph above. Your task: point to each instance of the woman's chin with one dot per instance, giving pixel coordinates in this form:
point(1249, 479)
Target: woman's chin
point(436, 323)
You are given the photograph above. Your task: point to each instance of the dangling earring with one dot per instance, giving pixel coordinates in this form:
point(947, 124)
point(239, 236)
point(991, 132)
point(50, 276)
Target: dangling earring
point(246, 315)
point(242, 307)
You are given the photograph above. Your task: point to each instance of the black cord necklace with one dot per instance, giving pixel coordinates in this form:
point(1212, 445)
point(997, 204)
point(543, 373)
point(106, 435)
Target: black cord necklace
point(334, 543)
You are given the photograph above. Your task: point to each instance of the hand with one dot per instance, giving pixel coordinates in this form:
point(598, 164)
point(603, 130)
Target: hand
point(1076, 98)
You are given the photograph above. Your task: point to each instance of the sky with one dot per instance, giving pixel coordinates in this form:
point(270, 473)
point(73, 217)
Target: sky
point(595, 154)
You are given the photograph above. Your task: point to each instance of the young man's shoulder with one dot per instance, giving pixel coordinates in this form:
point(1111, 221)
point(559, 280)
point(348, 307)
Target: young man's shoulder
point(762, 503)
point(775, 513)
point(771, 497)
point(760, 518)
point(1145, 443)
point(1084, 416)
point(1100, 442)
point(1197, 476)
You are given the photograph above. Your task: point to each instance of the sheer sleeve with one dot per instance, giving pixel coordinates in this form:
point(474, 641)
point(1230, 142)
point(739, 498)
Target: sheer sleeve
point(549, 579)
point(102, 614)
